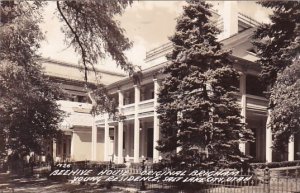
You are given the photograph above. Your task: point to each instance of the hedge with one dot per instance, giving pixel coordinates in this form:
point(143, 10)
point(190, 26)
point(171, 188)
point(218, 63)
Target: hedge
point(275, 164)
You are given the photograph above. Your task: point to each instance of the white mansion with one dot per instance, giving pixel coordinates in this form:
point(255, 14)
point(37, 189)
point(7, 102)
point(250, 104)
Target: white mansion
point(102, 138)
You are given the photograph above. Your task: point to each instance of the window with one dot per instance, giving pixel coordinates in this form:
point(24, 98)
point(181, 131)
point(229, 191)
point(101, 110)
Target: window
point(152, 94)
point(255, 86)
point(129, 97)
point(80, 99)
point(64, 149)
point(252, 50)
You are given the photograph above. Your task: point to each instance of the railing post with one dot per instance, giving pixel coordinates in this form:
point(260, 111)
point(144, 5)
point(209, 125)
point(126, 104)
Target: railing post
point(296, 177)
point(267, 180)
point(109, 184)
point(143, 187)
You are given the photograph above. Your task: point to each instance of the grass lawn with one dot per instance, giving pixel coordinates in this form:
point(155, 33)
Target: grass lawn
point(42, 185)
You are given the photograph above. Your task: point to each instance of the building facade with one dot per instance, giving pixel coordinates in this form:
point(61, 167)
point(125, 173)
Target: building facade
point(134, 137)
point(76, 126)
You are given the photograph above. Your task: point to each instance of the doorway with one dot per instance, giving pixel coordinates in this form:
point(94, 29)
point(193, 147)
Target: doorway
point(150, 142)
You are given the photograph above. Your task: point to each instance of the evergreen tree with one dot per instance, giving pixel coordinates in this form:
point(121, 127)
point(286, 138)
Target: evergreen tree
point(199, 114)
point(278, 45)
point(278, 42)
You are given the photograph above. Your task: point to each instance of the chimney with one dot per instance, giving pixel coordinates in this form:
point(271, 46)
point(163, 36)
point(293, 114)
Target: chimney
point(230, 18)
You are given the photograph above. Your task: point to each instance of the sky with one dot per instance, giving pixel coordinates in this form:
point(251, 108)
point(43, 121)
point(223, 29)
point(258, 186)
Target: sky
point(148, 24)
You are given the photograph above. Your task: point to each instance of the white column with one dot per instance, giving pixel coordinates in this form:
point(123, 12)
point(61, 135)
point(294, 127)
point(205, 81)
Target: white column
point(268, 139)
point(136, 146)
point(121, 98)
point(62, 147)
point(143, 142)
point(120, 128)
point(136, 124)
point(106, 139)
point(120, 142)
point(68, 147)
point(179, 148)
point(94, 140)
point(72, 146)
point(155, 122)
point(54, 151)
point(291, 149)
point(242, 145)
point(115, 144)
point(127, 139)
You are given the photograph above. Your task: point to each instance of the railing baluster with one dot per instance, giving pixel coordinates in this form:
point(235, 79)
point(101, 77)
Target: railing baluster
point(287, 179)
point(296, 177)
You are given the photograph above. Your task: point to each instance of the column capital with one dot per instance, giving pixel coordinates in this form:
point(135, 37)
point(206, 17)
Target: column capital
point(120, 98)
point(119, 87)
point(244, 68)
point(242, 72)
point(157, 82)
point(155, 75)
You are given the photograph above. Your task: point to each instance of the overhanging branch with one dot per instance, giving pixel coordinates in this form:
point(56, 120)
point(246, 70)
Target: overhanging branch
point(83, 52)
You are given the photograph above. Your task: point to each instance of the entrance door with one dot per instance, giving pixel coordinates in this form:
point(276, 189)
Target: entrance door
point(252, 145)
point(150, 142)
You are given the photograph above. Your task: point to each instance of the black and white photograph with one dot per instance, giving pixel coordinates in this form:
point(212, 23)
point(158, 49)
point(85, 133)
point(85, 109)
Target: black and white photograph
point(127, 96)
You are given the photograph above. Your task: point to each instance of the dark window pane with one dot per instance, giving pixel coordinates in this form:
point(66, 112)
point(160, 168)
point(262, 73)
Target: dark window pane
point(254, 86)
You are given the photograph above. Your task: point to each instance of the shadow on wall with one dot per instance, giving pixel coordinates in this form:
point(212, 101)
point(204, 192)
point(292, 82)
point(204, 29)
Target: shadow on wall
point(85, 137)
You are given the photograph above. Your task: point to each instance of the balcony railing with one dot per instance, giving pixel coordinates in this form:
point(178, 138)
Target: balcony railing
point(128, 109)
point(256, 103)
point(146, 108)
point(143, 106)
point(147, 105)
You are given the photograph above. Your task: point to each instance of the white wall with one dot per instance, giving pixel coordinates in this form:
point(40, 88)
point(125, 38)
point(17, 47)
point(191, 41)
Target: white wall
point(82, 144)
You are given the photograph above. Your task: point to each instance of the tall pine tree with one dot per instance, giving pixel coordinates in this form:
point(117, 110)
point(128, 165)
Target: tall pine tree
point(278, 45)
point(278, 42)
point(200, 119)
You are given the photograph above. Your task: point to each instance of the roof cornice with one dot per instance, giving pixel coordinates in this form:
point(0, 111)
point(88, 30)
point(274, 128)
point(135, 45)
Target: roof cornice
point(72, 65)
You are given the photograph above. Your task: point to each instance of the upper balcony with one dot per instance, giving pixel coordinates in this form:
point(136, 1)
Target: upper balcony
point(77, 115)
point(146, 108)
point(249, 84)
point(256, 103)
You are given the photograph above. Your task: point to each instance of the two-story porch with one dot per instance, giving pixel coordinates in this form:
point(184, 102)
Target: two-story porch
point(136, 135)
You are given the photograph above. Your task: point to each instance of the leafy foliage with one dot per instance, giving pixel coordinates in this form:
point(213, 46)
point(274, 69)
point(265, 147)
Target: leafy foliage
point(103, 102)
point(285, 94)
point(20, 33)
point(91, 29)
point(199, 115)
point(29, 114)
